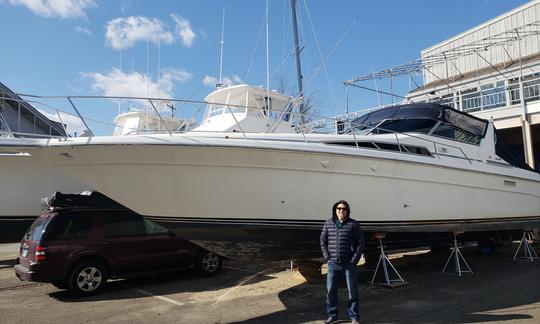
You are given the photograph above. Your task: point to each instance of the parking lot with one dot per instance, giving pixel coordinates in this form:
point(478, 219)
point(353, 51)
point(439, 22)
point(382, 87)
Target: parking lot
point(499, 290)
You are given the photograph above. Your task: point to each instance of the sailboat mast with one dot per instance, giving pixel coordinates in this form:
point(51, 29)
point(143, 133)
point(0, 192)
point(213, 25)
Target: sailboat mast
point(220, 83)
point(297, 53)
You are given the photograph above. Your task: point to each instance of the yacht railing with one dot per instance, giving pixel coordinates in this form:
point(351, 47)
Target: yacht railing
point(302, 128)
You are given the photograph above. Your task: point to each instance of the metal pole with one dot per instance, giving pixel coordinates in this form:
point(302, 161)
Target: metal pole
point(157, 113)
point(79, 114)
point(347, 100)
point(221, 51)
point(525, 126)
point(383, 256)
point(298, 66)
point(456, 257)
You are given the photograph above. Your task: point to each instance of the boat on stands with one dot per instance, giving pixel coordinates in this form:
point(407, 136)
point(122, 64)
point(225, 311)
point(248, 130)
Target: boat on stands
point(416, 171)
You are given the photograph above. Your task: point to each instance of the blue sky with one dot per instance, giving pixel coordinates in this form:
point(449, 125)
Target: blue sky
point(93, 47)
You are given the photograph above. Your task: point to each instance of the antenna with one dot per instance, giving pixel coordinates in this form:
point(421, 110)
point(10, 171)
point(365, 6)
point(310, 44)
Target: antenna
point(119, 101)
point(267, 61)
point(220, 83)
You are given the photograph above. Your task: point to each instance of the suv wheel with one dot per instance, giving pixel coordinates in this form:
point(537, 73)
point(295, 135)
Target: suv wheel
point(208, 263)
point(87, 278)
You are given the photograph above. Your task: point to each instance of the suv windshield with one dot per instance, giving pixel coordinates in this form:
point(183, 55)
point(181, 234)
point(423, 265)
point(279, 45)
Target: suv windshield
point(37, 228)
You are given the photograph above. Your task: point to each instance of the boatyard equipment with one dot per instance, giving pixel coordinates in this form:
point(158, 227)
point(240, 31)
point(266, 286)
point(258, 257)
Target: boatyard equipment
point(383, 259)
point(458, 257)
point(527, 251)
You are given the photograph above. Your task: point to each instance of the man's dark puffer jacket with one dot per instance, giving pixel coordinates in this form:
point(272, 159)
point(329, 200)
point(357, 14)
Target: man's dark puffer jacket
point(342, 245)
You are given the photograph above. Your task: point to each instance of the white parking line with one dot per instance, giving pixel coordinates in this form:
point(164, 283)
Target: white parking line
point(149, 294)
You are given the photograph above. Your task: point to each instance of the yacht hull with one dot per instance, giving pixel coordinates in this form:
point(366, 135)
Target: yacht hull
point(282, 187)
point(24, 180)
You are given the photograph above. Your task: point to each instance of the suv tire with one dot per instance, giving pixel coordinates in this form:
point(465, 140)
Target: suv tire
point(87, 278)
point(208, 263)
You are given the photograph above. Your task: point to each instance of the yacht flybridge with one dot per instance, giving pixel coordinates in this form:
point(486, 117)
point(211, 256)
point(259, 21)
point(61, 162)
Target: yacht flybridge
point(245, 108)
point(415, 168)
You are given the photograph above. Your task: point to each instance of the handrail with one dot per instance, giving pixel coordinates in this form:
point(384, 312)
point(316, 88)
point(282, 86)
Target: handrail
point(6, 127)
point(303, 129)
point(160, 118)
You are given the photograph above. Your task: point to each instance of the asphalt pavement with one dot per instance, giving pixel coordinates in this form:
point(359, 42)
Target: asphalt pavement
point(499, 290)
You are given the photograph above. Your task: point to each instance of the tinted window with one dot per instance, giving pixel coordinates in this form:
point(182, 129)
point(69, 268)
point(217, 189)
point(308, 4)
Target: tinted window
point(153, 228)
point(409, 125)
point(37, 229)
point(123, 225)
point(467, 123)
point(449, 131)
point(69, 228)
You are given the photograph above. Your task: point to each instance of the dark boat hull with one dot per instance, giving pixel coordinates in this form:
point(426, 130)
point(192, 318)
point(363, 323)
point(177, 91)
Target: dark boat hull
point(261, 240)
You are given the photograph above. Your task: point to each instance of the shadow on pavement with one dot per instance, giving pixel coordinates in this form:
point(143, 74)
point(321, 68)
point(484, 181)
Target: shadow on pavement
point(499, 290)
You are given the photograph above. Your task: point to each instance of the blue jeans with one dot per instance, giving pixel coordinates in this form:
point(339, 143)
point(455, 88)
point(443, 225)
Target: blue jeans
point(336, 272)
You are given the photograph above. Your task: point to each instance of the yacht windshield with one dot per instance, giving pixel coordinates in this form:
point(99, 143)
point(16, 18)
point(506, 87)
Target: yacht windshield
point(427, 118)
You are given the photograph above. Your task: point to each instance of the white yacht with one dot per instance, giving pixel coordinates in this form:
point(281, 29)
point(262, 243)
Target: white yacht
point(418, 168)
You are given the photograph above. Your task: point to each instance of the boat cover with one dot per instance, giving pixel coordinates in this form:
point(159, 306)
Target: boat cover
point(433, 111)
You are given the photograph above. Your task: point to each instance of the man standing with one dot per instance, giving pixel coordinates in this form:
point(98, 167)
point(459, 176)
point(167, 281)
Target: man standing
point(342, 245)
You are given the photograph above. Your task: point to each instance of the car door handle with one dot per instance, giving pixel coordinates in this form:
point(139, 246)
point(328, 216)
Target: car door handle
point(105, 243)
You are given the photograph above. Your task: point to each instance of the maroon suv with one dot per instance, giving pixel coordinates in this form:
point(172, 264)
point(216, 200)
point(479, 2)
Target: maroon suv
point(79, 249)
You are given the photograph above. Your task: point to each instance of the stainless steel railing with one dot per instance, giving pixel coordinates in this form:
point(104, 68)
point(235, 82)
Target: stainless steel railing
point(304, 129)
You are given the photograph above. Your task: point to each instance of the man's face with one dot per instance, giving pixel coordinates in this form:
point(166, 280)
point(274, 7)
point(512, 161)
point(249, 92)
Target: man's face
point(342, 211)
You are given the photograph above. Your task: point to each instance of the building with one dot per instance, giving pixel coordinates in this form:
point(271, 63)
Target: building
point(18, 118)
point(492, 71)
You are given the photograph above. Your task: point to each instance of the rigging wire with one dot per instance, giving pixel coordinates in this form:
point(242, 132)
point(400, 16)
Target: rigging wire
point(255, 47)
point(321, 56)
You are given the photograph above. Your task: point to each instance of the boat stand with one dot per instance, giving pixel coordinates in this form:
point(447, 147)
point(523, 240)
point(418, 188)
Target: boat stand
point(527, 251)
point(458, 257)
point(383, 259)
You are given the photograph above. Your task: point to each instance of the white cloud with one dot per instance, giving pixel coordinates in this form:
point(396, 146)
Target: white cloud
point(226, 81)
point(119, 84)
point(123, 33)
point(56, 8)
point(183, 29)
point(83, 30)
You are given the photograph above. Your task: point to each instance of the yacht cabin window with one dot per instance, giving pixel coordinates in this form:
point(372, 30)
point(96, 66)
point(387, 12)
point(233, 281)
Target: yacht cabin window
point(216, 110)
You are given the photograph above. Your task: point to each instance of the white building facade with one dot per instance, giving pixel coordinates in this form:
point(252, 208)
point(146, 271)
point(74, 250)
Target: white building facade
point(492, 71)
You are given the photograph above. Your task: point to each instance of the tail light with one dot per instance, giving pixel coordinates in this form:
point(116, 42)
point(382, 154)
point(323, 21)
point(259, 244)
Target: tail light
point(40, 254)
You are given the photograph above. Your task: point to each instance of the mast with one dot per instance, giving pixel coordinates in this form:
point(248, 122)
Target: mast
point(220, 83)
point(297, 53)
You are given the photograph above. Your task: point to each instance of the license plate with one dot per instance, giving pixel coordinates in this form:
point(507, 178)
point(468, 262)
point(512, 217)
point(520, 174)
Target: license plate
point(24, 253)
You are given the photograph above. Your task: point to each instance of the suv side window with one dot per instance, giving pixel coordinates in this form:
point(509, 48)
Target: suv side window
point(69, 228)
point(153, 228)
point(123, 225)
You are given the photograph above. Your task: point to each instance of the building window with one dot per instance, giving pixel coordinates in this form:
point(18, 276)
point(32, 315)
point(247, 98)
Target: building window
point(470, 100)
point(531, 90)
point(493, 95)
point(513, 90)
